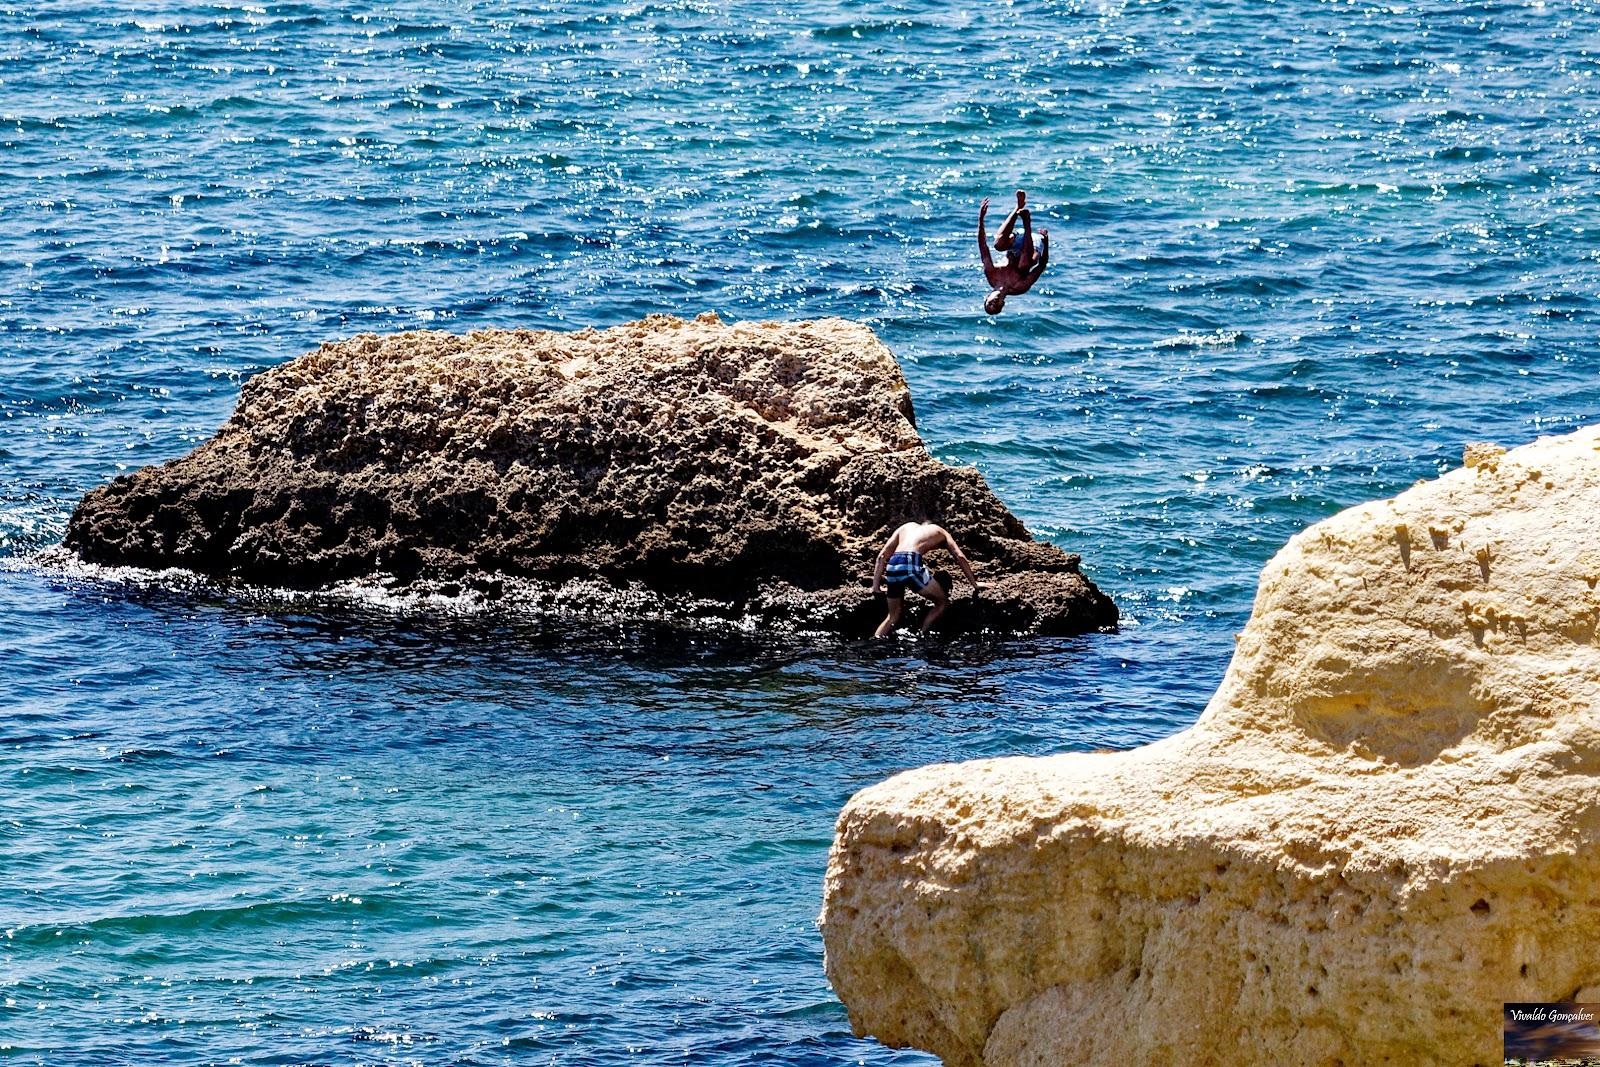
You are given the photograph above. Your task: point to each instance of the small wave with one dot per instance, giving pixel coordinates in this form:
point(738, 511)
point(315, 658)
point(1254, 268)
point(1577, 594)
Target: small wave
point(19, 740)
point(859, 30)
point(187, 921)
point(30, 123)
point(139, 755)
point(816, 1009)
point(1215, 339)
point(29, 528)
point(409, 30)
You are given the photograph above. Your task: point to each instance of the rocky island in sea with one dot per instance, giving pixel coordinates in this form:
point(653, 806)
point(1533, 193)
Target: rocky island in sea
point(1385, 824)
point(665, 467)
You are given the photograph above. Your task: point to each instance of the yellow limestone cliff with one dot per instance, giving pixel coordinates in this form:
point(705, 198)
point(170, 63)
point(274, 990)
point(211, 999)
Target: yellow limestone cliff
point(1383, 825)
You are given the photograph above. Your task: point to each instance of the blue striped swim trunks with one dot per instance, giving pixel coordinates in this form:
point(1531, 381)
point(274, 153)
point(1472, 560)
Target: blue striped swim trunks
point(903, 569)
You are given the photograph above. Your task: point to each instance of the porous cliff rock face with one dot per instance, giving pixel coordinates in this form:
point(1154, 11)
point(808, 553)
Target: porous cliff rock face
point(1385, 823)
point(750, 469)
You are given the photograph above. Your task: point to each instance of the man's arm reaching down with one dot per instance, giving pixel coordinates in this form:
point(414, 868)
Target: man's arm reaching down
point(883, 561)
point(961, 558)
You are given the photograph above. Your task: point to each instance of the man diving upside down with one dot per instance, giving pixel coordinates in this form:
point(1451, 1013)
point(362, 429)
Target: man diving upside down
point(1023, 263)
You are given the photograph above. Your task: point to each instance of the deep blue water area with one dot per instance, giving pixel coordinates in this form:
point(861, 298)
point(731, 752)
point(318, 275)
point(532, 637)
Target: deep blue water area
point(1301, 253)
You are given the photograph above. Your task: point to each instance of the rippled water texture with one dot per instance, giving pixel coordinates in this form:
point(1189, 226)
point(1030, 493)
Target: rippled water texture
point(1302, 252)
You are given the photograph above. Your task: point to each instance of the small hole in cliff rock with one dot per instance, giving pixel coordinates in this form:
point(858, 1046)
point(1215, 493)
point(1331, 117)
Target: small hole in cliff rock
point(1524, 970)
point(1311, 990)
point(1481, 908)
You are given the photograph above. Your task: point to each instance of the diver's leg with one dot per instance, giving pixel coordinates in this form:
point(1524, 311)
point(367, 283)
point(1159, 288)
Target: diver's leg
point(1002, 241)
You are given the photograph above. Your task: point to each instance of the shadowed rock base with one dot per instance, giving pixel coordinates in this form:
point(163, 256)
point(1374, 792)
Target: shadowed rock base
point(1385, 824)
point(755, 467)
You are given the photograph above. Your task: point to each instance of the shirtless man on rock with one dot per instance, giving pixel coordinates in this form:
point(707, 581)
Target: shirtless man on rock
point(900, 564)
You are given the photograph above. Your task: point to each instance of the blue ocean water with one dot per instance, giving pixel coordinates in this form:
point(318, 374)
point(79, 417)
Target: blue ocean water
point(1301, 252)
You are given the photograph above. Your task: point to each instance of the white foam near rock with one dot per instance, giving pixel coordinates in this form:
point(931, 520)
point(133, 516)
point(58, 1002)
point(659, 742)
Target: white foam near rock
point(1383, 826)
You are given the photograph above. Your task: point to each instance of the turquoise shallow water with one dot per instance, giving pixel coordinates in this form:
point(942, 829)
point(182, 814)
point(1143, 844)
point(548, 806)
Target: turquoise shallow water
point(1302, 252)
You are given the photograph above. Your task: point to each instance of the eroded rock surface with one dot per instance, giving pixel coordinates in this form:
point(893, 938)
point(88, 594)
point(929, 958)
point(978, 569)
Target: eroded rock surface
point(752, 468)
point(1383, 826)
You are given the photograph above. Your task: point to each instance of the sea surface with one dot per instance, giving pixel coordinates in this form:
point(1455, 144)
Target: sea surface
point(1301, 253)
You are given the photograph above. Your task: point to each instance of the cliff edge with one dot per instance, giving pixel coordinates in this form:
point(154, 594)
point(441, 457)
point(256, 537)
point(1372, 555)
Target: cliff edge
point(745, 470)
point(1383, 826)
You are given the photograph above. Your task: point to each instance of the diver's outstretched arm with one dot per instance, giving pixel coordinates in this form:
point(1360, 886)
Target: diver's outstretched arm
point(983, 239)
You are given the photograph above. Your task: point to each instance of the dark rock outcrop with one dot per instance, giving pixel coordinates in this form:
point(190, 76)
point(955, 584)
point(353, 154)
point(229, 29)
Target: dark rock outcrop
point(755, 466)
